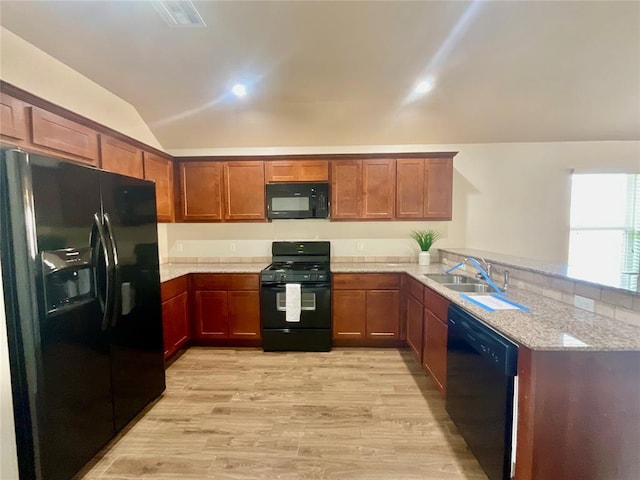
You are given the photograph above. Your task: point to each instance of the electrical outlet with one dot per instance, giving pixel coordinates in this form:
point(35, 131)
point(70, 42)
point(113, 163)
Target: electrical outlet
point(360, 246)
point(232, 246)
point(584, 303)
point(179, 246)
point(445, 261)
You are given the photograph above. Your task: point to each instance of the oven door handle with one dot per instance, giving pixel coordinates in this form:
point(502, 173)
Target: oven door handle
point(304, 288)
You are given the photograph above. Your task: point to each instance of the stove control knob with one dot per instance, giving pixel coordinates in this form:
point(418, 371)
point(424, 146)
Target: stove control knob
point(322, 277)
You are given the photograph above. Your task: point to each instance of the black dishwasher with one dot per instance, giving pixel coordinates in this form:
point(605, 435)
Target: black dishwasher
point(481, 366)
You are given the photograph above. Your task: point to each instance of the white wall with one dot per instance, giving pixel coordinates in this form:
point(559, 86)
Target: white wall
point(27, 67)
point(8, 452)
point(511, 198)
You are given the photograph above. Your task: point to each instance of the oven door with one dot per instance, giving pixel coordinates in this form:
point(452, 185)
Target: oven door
point(315, 307)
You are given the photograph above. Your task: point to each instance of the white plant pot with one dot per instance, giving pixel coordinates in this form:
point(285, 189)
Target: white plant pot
point(424, 258)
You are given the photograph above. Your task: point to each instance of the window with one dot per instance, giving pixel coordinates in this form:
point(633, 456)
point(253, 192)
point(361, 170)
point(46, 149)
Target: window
point(604, 240)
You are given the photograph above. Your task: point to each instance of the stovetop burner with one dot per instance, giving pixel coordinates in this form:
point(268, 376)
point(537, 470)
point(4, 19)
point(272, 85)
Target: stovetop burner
point(297, 267)
point(299, 262)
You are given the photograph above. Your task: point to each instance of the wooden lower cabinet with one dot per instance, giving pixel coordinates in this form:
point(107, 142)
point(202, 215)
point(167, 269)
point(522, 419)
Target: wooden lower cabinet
point(414, 326)
point(244, 315)
point(211, 314)
point(175, 315)
point(369, 315)
point(227, 308)
point(349, 314)
point(383, 314)
point(434, 353)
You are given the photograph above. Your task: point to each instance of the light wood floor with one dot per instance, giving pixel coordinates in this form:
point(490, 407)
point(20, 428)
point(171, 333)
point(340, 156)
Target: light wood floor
point(246, 414)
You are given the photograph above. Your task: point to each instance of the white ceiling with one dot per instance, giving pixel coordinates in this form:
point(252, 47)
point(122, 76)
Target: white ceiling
point(339, 73)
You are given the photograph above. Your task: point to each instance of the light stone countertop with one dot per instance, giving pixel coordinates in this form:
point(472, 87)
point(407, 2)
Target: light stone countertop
point(169, 271)
point(551, 324)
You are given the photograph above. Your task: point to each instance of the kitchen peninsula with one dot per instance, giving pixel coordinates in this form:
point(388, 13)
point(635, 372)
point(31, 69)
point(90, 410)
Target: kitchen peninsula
point(579, 380)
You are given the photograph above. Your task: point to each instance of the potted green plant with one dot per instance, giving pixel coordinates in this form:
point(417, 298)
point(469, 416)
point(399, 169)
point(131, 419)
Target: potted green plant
point(425, 239)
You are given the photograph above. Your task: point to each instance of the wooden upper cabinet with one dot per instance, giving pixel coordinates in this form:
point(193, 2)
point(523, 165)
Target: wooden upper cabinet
point(346, 191)
point(160, 170)
point(120, 157)
point(424, 188)
point(438, 188)
point(57, 133)
point(13, 119)
point(244, 191)
point(378, 188)
point(201, 192)
point(281, 171)
point(297, 171)
point(410, 188)
point(313, 170)
point(363, 189)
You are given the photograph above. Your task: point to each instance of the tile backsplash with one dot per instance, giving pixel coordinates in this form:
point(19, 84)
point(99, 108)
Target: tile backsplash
point(607, 301)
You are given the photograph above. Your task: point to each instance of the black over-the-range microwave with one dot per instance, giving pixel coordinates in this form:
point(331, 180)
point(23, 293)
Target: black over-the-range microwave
point(297, 200)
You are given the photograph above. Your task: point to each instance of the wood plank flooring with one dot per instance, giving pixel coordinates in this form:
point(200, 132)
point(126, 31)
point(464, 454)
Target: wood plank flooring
point(369, 414)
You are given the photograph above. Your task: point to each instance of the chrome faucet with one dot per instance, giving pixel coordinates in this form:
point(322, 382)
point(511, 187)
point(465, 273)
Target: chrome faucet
point(487, 267)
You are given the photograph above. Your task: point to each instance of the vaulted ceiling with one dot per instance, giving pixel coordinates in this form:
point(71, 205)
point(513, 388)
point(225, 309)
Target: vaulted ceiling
point(342, 72)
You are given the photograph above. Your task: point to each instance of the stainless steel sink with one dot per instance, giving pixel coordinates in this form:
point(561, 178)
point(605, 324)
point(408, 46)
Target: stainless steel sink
point(450, 279)
point(469, 287)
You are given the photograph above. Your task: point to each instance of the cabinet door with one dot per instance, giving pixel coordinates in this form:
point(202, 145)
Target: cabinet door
point(175, 323)
point(281, 171)
point(244, 315)
point(378, 188)
point(168, 332)
point(54, 132)
point(346, 191)
point(201, 190)
point(438, 188)
point(120, 157)
point(13, 121)
point(313, 170)
point(349, 314)
point(434, 355)
point(410, 188)
point(211, 314)
point(414, 326)
point(383, 308)
point(244, 190)
point(160, 171)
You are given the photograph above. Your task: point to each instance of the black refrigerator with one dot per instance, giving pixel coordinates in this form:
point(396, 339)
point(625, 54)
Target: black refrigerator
point(81, 281)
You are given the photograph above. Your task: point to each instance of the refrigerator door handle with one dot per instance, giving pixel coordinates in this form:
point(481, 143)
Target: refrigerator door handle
point(115, 308)
point(102, 240)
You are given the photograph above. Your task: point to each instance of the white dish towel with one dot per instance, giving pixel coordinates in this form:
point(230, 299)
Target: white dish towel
point(293, 302)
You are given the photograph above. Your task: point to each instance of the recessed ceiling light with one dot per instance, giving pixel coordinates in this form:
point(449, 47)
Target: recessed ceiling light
point(239, 90)
point(424, 86)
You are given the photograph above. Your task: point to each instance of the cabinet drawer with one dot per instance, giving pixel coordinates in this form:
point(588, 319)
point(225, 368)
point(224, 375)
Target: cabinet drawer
point(171, 288)
point(437, 304)
point(366, 281)
point(226, 281)
point(414, 287)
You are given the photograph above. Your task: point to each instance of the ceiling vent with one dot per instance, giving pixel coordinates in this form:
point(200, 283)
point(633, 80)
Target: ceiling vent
point(179, 13)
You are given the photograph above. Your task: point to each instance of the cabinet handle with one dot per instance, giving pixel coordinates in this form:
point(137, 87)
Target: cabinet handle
point(382, 334)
